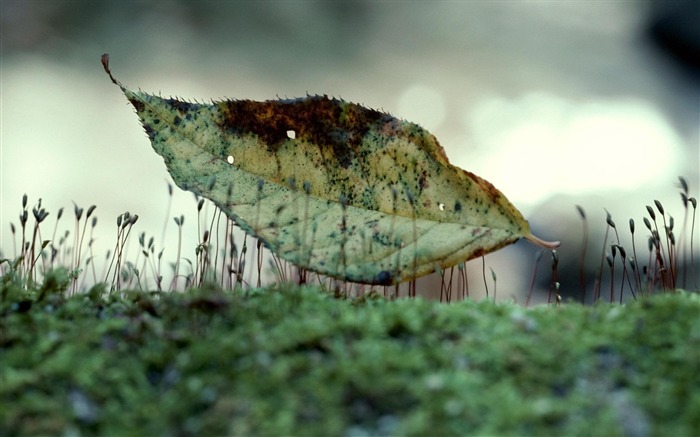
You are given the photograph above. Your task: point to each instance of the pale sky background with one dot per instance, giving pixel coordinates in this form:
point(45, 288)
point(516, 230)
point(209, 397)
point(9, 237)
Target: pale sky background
point(556, 103)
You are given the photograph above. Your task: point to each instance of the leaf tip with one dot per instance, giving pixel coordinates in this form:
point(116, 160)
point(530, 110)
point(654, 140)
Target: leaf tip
point(105, 64)
point(542, 243)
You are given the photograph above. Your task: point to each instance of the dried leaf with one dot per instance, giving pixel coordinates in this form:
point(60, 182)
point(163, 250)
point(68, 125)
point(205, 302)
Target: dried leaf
point(331, 186)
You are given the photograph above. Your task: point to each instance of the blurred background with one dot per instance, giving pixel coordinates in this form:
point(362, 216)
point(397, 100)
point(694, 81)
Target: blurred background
point(558, 104)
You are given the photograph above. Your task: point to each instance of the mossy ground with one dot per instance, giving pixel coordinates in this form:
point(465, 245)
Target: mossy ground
point(291, 360)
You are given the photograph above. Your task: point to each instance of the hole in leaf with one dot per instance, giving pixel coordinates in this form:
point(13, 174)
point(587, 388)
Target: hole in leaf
point(441, 206)
point(291, 134)
point(230, 159)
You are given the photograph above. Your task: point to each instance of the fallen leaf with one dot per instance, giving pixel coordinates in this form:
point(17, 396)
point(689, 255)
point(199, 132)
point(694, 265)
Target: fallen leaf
point(331, 186)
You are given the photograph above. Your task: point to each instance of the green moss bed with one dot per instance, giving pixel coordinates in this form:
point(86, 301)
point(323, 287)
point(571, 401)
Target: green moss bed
point(291, 360)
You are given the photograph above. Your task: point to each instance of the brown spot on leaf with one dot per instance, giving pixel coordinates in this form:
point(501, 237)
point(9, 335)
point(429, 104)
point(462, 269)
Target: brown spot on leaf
point(149, 131)
point(478, 253)
point(423, 180)
point(383, 278)
point(138, 105)
point(330, 124)
point(181, 106)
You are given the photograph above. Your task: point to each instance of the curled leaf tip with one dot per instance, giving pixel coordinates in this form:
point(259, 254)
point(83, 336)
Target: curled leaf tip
point(542, 243)
point(105, 64)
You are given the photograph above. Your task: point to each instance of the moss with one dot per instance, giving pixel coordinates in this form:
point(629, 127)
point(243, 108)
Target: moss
point(295, 360)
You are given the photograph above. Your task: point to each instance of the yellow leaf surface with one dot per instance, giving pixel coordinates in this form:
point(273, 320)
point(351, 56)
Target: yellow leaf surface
point(331, 186)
